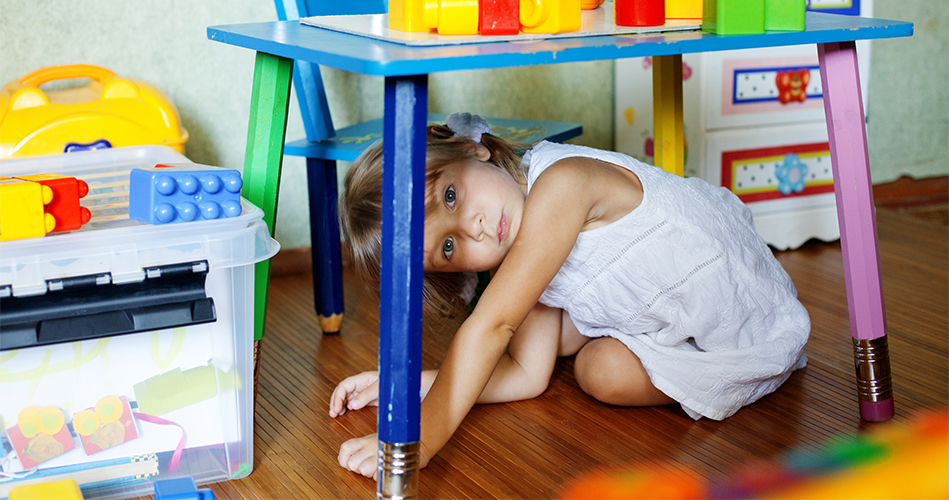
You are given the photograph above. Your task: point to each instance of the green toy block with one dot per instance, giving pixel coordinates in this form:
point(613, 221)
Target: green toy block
point(733, 17)
point(784, 15)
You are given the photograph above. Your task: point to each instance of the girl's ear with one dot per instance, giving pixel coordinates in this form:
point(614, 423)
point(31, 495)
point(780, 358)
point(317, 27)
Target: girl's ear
point(480, 152)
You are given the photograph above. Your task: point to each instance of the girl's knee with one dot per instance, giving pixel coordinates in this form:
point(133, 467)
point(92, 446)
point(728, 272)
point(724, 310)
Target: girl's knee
point(607, 370)
point(595, 369)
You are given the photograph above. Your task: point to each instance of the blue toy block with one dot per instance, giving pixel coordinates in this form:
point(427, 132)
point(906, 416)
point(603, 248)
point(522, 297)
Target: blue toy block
point(182, 488)
point(183, 192)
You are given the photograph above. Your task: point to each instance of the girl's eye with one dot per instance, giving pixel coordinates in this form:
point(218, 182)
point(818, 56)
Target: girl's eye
point(450, 196)
point(448, 247)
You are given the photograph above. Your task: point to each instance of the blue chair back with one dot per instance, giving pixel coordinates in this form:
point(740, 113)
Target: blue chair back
point(307, 80)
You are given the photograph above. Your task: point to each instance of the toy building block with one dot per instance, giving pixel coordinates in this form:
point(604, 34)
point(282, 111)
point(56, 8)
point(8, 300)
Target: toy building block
point(784, 15)
point(550, 16)
point(683, 9)
point(182, 488)
point(406, 15)
point(23, 209)
point(733, 17)
point(183, 192)
point(639, 12)
point(499, 17)
point(451, 17)
point(66, 489)
point(65, 205)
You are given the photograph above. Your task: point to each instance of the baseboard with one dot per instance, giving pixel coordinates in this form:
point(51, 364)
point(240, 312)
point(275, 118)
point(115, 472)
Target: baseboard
point(904, 192)
point(907, 192)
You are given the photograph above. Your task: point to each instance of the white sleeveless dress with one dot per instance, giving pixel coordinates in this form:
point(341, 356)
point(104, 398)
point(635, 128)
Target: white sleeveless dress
point(687, 284)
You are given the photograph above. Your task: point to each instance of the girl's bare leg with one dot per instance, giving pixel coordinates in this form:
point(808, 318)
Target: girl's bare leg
point(607, 370)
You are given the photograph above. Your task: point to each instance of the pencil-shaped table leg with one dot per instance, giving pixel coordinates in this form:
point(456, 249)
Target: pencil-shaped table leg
point(843, 108)
point(263, 157)
point(669, 138)
point(400, 293)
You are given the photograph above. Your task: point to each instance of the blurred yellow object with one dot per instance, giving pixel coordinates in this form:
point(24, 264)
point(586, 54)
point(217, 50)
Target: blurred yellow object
point(915, 465)
point(110, 111)
point(67, 489)
point(905, 460)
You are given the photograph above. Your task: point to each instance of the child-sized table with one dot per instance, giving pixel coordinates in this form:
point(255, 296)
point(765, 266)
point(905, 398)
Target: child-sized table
point(406, 70)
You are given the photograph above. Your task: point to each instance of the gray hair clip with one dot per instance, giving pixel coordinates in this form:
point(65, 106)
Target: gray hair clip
point(467, 125)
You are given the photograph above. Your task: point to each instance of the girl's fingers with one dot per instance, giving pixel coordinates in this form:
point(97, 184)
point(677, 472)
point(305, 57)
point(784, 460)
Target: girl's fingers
point(359, 455)
point(350, 387)
point(338, 401)
point(367, 396)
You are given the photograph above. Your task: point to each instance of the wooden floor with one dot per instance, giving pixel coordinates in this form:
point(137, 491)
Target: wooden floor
point(531, 449)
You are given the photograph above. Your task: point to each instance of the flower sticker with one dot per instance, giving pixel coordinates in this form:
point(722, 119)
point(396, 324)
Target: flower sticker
point(791, 174)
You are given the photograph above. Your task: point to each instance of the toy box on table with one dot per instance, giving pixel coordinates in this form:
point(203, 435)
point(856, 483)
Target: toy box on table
point(126, 349)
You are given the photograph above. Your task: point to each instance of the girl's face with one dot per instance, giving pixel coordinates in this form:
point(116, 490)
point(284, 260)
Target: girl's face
point(476, 218)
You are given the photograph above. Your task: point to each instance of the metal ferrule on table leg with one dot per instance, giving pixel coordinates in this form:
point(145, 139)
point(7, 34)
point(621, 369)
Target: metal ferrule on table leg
point(398, 470)
point(872, 363)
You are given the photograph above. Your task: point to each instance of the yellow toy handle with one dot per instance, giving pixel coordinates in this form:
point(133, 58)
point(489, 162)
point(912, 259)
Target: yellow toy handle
point(65, 71)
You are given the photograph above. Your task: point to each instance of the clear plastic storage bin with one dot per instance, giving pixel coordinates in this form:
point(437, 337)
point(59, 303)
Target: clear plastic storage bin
point(126, 349)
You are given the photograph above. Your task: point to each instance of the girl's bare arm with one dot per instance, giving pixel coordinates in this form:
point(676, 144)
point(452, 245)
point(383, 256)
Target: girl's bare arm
point(524, 371)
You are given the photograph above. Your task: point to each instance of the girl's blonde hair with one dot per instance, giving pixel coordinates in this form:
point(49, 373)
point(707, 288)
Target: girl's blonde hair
point(445, 295)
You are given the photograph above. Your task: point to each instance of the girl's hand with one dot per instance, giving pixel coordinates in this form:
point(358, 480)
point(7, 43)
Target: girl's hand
point(354, 393)
point(361, 455)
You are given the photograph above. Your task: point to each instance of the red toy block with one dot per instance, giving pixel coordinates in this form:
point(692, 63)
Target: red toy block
point(65, 204)
point(639, 12)
point(499, 17)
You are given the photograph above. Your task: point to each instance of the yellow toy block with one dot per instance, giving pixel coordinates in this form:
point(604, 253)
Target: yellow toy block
point(452, 17)
point(23, 209)
point(407, 15)
point(550, 16)
point(683, 9)
point(67, 489)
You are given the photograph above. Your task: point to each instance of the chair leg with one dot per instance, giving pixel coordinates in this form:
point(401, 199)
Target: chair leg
point(324, 237)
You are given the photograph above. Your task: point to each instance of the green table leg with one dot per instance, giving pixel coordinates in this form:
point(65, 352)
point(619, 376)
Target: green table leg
point(263, 158)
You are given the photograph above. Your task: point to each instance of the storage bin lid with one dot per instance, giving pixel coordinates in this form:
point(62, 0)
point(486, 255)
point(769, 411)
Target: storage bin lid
point(111, 243)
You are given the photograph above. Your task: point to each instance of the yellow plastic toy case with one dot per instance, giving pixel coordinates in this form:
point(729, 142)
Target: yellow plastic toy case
point(110, 111)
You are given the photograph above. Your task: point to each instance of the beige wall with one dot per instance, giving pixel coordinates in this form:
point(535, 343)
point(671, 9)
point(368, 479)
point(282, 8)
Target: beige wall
point(165, 42)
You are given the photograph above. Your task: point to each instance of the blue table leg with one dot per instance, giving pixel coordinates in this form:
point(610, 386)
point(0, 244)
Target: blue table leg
point(400, 318)
point(324, 234)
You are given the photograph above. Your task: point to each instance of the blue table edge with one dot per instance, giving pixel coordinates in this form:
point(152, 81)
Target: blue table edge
point(364, 55)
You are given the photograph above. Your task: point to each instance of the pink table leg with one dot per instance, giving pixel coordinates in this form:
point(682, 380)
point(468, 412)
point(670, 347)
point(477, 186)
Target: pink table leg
point(858, 237)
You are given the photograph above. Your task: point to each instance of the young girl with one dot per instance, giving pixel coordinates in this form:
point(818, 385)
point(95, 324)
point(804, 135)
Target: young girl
point(658, 283)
